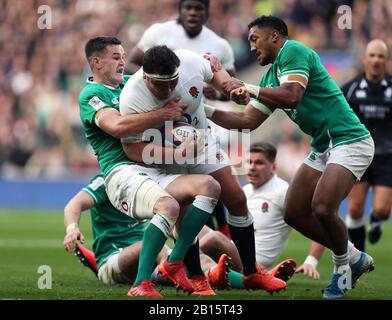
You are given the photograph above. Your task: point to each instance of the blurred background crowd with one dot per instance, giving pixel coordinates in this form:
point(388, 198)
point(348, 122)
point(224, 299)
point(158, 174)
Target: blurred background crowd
point(43, 70)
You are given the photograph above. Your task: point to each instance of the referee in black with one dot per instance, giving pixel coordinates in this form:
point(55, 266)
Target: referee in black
point(370, 96)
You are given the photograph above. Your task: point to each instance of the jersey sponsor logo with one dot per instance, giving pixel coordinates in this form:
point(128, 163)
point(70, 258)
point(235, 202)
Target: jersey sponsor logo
point(265, 207)
point(96, 103)
point(194, 92)
point(142, 174)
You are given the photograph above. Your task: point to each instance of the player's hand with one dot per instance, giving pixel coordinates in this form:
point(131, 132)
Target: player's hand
point(173, 109)
point(240, 96)
point(308, 270)
point(232, 84)
point(71, 239)
point(210, 92)
point(214, 62)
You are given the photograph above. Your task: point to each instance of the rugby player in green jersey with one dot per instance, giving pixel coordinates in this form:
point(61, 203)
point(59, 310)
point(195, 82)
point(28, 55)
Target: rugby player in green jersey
point(342, 147)
point(139, 191)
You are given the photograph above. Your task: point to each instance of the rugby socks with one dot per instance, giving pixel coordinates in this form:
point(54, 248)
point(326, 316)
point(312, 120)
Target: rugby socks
point(195, 218)
point(192, 260)
point(353, 253)
point(356, 231)
point(243, 234)
point(235, 279)
point(153, 241)
point(340, 263)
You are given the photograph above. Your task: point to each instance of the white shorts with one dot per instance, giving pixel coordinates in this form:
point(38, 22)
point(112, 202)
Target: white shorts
point(355, 157)
point(134, 189)
point(109, 273)
point(212, 159)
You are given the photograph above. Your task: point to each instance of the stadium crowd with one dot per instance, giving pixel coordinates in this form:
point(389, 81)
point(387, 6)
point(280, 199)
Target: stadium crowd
point(43, 70)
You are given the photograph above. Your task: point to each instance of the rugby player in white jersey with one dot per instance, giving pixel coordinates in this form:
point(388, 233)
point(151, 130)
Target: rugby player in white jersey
point(166, 75)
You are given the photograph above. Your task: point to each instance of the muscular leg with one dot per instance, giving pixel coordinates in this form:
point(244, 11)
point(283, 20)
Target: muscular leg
point(334, 185)
point(240, 220)
point(214, 244)
point(298, 209)
point(354, 220)
point(381, 211)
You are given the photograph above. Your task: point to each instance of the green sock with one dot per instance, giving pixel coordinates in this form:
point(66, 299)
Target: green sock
point(191, 225)
point(235, 279)
point(153, 242)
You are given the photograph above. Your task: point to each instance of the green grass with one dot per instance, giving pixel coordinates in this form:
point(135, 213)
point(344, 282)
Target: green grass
point(31, 239)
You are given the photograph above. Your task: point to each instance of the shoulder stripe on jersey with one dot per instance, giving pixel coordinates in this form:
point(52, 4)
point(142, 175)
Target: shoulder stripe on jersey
point(296, 71)
point(298, 78)
point(90, 194)
point(260, 106)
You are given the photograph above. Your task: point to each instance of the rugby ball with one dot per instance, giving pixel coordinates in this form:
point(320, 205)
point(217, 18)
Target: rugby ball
point(174, 133)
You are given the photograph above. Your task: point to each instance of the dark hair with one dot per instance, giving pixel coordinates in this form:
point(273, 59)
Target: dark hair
point(265, 148)
point(206, 3)
point(271, 22)
point(98, 45)
point(160, 60)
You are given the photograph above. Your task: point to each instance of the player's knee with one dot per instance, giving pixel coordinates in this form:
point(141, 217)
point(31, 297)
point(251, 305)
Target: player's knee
point(321, 210)
point(356, 212)
point(168, 207)
point(208, 186)
point(210, 241)
point(382, 212)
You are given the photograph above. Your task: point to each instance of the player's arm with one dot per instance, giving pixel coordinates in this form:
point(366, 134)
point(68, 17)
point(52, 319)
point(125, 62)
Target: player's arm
point(119, 126)
point(135, 61)
point(309, 267)
point(287, 95)
point(251, 118)
point(72, 212)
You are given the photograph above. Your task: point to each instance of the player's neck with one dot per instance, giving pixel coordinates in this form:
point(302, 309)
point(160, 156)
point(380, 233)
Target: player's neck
point(374, 78)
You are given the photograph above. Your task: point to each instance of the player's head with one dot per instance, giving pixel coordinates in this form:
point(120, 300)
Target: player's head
point(266, 34)
point(375, 59)
point(261, 163)
point(193, 14)
point(106, 58)
point(161, 71)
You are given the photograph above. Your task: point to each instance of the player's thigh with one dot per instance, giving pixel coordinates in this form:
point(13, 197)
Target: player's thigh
point(300, 192)
point(185, 188)
point(357, 198)
point(382, 201)
point(333, 186)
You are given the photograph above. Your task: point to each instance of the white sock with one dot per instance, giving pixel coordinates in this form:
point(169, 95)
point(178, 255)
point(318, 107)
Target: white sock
point(340, 262)
point(353, 253)
point(354, 223)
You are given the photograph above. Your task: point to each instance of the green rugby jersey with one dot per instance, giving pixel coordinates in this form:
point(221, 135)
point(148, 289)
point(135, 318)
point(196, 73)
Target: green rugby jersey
point(323, 112)
point(112, 229)
point(108, 149)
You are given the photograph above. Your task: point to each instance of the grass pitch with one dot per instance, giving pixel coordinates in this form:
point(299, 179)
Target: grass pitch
point(29, 240)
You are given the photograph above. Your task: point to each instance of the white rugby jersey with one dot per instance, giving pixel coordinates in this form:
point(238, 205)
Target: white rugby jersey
point(194, 70)
point(173, 35)
point(266, 206)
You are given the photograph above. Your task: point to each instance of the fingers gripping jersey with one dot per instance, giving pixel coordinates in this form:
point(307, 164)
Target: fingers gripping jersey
point(194, 71)
point(323, 112)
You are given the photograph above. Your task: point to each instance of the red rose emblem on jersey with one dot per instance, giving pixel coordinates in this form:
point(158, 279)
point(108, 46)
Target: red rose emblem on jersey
point(194, 92)
point(265, 207)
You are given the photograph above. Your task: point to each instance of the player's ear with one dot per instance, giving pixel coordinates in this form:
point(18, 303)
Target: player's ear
point(96, 62)
point(274, 36)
